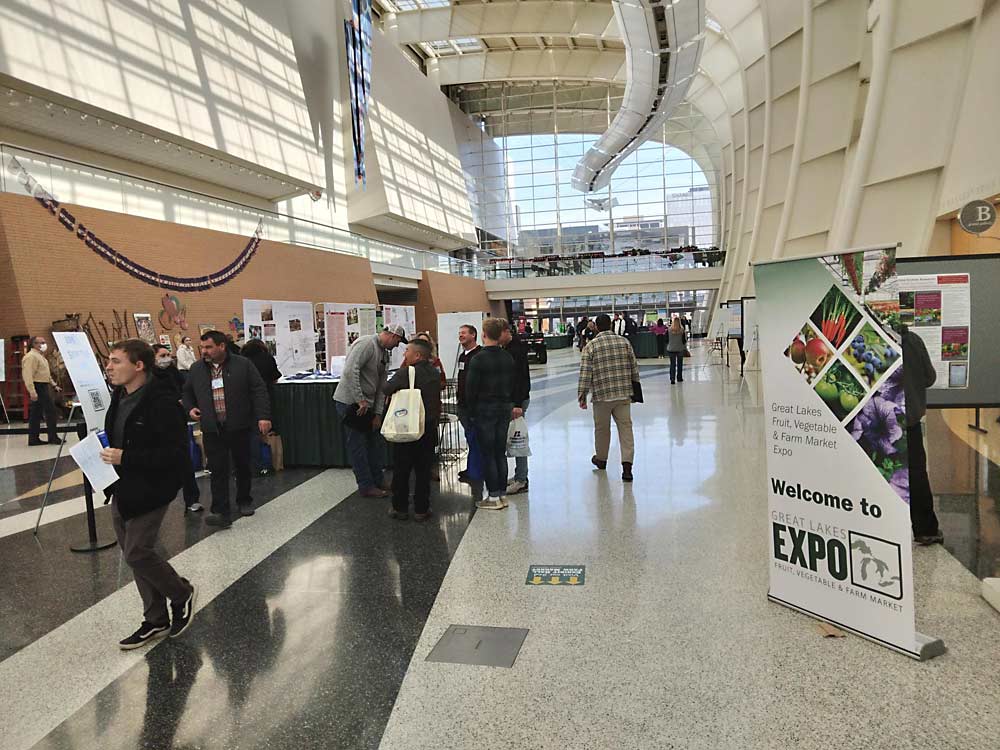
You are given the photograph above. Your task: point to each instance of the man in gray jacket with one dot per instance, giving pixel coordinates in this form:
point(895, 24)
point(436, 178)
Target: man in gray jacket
point(360, 404)
point(227, 395)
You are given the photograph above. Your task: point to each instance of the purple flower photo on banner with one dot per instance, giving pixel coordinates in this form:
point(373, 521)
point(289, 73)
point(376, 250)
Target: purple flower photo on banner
point(880, 429)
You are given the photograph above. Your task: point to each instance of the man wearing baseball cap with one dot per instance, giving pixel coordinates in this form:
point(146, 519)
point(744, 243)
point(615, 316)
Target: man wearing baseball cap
point(360, 403)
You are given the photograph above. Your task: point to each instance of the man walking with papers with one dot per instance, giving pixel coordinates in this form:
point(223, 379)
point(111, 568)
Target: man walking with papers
point(147, 439)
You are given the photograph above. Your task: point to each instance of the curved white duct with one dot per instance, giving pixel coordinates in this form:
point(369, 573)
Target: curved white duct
point(663, 41)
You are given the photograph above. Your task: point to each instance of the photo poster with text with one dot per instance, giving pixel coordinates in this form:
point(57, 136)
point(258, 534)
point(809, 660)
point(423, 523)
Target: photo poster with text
point(938, 308)
point(406, 316)
point(258, 322)
point(734, 329)
point(750, 341)
point(835, 438)
point(345, 324)
point(295, 336)
point(87, 377)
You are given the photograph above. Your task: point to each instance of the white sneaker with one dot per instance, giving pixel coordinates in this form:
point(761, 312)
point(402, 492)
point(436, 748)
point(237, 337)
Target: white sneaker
point(494, 503)
point(516, 487)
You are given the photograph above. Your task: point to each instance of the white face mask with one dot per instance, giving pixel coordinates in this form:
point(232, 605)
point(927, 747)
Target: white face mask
point(163, 363)
point(43, 347)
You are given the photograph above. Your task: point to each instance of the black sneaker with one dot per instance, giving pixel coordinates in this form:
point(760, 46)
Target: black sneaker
point(182, 612)
point(246, 510)
point(145, 634)
point(463, 477)
point(601, 465)
point(217, 519)
point(626, 472)
point(928, 540)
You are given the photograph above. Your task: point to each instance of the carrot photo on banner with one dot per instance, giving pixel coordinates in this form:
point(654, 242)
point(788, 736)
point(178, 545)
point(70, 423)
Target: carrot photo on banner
point(835, 317)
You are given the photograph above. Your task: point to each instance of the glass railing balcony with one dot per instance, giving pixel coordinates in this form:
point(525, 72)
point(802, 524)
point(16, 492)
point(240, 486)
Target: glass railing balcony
point(554, 265)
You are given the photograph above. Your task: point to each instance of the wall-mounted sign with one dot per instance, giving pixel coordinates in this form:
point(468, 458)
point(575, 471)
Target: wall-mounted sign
point(977, 217)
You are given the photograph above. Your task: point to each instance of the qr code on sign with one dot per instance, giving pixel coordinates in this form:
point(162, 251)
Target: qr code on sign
point(96, 400)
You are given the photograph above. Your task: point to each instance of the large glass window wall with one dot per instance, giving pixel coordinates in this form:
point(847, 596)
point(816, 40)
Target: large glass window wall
point(660, 198)
point(551, 314)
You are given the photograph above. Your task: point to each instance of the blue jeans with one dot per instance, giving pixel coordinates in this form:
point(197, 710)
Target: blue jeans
point(491, 423)
point(521, 462)
point(676, 366)
point(365, 452)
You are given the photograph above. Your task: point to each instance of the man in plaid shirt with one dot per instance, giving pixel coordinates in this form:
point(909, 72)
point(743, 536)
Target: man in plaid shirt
point(608, 368)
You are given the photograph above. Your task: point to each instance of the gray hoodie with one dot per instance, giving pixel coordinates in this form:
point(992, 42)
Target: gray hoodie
point(364, 374)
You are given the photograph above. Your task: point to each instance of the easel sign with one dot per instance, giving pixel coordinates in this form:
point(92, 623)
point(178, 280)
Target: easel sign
point(88, 380)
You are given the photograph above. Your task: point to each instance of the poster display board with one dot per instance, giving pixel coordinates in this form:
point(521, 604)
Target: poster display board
point(345, 323)
point(448, 346)
point(835, 438)
point(85, 373)
point(295, 337)
point(258, 322)
point(938, 308)
point(734, 328)
point(978, 371)
point(750, 341)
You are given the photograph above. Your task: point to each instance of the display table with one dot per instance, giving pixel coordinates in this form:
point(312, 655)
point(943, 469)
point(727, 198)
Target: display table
point(644, 344)
point(560, 341)
point(311, 430)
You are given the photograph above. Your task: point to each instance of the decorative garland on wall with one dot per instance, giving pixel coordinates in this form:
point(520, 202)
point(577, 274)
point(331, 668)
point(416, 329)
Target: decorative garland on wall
point(115, 258)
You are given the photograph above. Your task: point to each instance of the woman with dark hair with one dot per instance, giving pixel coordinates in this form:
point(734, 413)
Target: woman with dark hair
point(256, 351)
point(676, 344)
point(660, 331)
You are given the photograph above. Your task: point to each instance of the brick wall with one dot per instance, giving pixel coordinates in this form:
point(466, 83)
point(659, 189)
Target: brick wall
point(47, 272)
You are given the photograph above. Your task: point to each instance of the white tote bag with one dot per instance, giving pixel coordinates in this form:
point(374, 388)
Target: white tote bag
point(517, 438)
point(404, 419)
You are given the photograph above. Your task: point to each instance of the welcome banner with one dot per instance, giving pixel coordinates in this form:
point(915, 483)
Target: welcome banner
point(835, 419)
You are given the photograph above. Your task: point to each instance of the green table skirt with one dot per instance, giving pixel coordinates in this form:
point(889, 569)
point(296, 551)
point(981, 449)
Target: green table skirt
point(557, 342)
point(644, 344)
point(311, 431)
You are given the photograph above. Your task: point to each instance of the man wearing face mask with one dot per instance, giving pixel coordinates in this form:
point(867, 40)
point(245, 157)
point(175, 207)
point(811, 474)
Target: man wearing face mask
point(167, 373)
point(38, 379)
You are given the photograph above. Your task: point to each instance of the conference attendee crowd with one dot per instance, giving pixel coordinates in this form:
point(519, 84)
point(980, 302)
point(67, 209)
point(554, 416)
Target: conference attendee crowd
point(227, 390)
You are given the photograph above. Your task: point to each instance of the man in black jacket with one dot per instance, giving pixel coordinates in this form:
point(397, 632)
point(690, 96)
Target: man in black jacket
point(468, 340)
point(148, 440)
point(167, 371)
point(918, 375)
point(487, 396)
point(520, 395)
point(417, 456)
point(227, 395)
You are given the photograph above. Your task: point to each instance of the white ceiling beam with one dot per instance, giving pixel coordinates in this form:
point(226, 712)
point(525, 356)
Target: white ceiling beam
point(532, 64)
point(552, 18)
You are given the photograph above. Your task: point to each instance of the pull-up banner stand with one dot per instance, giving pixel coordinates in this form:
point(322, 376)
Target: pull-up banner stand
point(835, 435)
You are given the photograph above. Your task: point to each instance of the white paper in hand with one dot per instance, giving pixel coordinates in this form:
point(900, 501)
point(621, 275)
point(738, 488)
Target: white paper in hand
point(87, 454)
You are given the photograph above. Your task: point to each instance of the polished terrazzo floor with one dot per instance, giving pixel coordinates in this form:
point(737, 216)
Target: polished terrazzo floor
point(318, 613)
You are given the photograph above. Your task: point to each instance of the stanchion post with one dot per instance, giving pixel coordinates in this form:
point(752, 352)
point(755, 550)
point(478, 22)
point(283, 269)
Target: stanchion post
point(92, 544)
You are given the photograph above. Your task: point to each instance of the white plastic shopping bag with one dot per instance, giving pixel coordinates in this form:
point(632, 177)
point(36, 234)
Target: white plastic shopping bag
point(404, 419)
point(517, 438)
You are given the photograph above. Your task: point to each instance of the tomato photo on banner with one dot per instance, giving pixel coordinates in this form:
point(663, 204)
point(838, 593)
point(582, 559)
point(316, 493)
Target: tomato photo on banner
point(835, 435)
